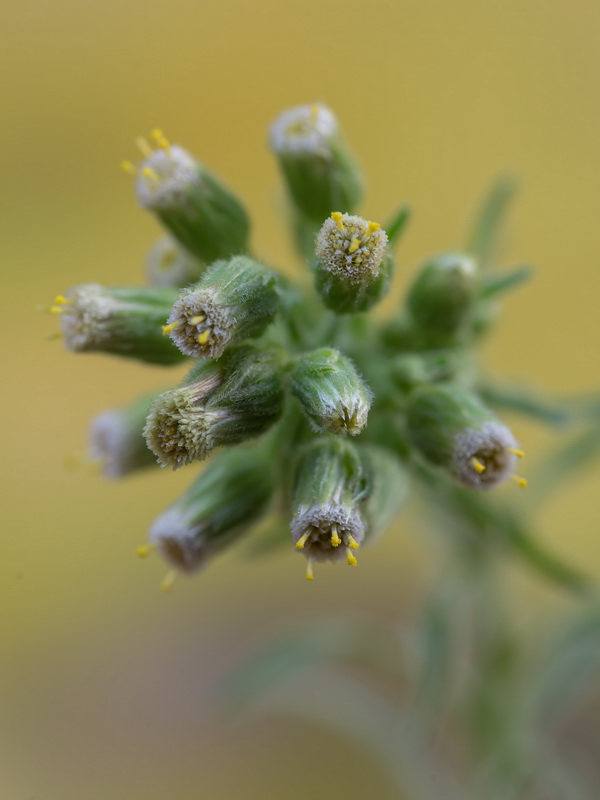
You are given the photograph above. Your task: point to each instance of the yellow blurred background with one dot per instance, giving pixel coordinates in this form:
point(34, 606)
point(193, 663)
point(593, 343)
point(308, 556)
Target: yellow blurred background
point(107, 685)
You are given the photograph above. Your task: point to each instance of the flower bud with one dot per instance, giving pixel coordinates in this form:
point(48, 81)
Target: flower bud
point(168, 264)
point(412, 369)
point(353, 266)
point(228, 497)
point(452, 428)
point(318, 169)
point(332, 394)
point(219, 403)
point(117, 441)
point(200, 212)
point(442, 297)
point(120, 321)
point(329, 491)
point(233, 300)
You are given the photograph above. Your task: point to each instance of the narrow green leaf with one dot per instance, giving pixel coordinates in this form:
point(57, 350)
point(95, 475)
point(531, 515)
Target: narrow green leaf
point(484, 239)
point(397, 223)
point(527, 402)
point(498, 283)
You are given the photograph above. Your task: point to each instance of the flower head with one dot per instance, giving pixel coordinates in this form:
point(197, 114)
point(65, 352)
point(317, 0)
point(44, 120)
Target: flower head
point(351, 247)
point(304, 129)
point(121, 321)
point(233, 299)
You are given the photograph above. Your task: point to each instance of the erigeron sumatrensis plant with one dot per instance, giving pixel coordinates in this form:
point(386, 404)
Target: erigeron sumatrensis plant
point(320, 409)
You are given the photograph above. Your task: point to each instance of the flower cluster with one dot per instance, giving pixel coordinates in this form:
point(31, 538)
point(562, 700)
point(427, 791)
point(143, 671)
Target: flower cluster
point(315, 407)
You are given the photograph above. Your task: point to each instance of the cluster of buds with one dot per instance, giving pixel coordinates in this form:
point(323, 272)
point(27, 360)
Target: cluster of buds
point(344, 411)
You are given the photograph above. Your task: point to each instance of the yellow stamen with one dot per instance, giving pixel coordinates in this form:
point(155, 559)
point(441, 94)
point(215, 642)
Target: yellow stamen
point(477, 465)
point(352, 542)
point(373, 226)
point(57, 310)
point(337, 218)
point(335, 539)
point(204, 336)
point(522, 482)
point(144, 550)
point(166, 329)
point(148, 172)
point(168, 581)
point(144, 146)
point(196, 320)
point(160, 139)
point(314, 113)
point(128, 167)
point(351, 558)
point(516, 452)
point(309, 571)
point(302, 541)
point(61, 300)
point(354, 245)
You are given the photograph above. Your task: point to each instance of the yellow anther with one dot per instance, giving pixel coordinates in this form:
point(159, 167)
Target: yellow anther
point(354, 245)
point(128, 167)
point(314, 113)
point(302, 541)
point(522, 482)
point(57, 310)
point(61, 300)
point(309, 571)
point(335, 539)
point(204, 336)
point(374, 226)
point(337, 218)
point(166, 329)
point(144, 550)
point(352, 542)
point(160, 139)
point(516, 452)
point(169, 580)
point(196, 320)
point(351, 558)
point(148, 172)
point(144, 146)
point(477, 465)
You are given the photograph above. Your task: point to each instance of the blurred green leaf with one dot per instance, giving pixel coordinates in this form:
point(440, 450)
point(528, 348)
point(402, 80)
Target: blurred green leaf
point(306, 648)
point(564, 463)
point(496, 284)
point(484, 239)
point(525, 401)
point(396, 224)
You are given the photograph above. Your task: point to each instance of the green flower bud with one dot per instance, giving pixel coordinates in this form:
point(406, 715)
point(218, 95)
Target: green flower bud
point(228, 497)
point(318, 169)
point(168, 264)
point(353, 266)
point(201, 213)
point(117, 441)
point(330, 489)
point(411, 369)
point(332, 394)
point(442, 298)
point(120, 321)
point(219, 403)
point(233, 300)
point(452, 428)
